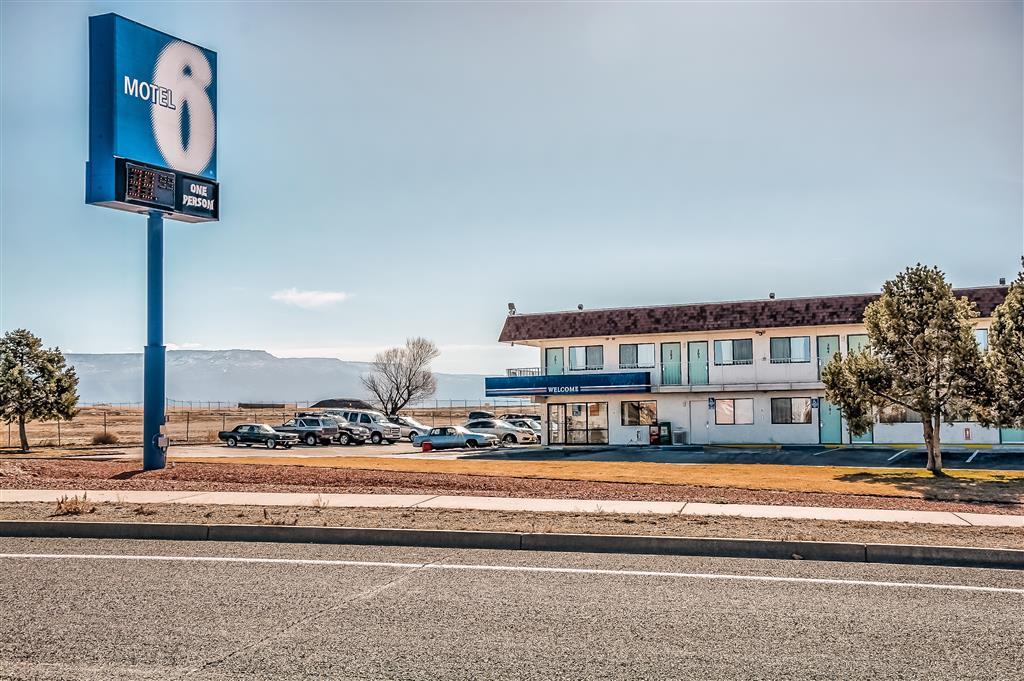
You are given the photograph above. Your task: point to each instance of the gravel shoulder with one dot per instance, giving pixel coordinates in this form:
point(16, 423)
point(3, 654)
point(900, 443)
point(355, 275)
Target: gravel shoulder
point(115, 475)
point(501, 521)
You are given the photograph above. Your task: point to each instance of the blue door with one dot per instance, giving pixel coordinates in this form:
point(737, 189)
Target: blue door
point(554, 361)
point(1011, 435)
point(697, 364)
point(830, 423)
point(828, 346)
point(865, 439)
point(671, 364)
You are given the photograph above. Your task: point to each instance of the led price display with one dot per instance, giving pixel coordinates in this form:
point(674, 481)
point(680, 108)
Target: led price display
point(149, 186)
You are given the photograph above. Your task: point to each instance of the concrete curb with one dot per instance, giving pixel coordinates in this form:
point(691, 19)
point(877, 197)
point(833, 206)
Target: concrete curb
point(904, 554)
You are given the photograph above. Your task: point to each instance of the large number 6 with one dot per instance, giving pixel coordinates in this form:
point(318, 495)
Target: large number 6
point(184, 70)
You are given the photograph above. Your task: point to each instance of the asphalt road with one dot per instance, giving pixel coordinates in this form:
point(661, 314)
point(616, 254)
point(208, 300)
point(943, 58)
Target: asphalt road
point(220, 611)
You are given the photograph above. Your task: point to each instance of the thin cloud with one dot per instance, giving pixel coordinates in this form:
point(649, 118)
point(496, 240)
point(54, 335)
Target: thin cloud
point(309, 299)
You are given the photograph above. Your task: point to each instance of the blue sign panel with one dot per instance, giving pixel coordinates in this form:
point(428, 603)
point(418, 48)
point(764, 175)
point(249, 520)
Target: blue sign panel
point(567, 384)
point(152, 102)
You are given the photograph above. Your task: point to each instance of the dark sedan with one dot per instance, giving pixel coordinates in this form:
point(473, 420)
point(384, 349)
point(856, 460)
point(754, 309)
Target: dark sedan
point(250, 434)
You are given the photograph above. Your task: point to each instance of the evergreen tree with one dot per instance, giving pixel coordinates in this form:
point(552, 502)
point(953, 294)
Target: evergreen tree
point(35, 382)
point(923, 356)
point(1005, 360)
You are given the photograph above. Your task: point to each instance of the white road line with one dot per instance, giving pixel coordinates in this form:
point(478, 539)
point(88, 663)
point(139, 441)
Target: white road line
point(971, 457)
point(508, 568)
point(898, 454)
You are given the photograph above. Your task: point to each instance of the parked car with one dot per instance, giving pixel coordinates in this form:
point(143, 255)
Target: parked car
point(525, 423)
point(508, 433)
point(450, 437)
point(312, 430)
point(250, 434)
point(348, 433)
point(410, 426)
point(477, 415)
point(381, 430)
point(516, 417)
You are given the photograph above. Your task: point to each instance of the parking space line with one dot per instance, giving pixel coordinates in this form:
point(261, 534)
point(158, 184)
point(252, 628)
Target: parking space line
point(971, 457)
point(897, 454)
point(832, 451)
point(513, 568)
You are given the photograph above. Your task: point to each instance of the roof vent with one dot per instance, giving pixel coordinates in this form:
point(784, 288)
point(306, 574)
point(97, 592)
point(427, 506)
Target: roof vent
point(771, 296)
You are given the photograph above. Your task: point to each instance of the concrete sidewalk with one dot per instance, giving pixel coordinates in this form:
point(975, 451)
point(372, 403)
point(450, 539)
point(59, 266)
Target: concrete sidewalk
point(517, 504)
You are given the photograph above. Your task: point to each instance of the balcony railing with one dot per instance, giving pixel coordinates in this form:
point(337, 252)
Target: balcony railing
point(697, 373)
point(524, 371)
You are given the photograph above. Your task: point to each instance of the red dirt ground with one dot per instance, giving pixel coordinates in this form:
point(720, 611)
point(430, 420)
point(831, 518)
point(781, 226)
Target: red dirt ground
point(111, 475)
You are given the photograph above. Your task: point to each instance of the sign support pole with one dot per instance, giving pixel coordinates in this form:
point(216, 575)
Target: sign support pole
point(154, 450)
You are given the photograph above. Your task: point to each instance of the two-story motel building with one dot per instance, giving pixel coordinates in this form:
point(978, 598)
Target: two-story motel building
point(745, 372)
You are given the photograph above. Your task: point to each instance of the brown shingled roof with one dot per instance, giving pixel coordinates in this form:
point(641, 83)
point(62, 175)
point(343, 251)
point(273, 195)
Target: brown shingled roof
point(747, 314)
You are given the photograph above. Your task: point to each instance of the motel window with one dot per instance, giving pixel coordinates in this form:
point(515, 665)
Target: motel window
point(981, 335)
point(636, 355)
point(739, 351)
point(895, 413)
point(734, 412)
point(791, 350)
point(586, 423)
point(791, 410)
point(856, 342)
point(583, 357)
point(639, 413)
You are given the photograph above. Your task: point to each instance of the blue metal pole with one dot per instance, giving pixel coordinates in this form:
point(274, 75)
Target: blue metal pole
point(154, 455)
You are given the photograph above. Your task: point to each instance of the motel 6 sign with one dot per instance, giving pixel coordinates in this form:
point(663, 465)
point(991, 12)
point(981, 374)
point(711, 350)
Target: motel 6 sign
point(152, 122)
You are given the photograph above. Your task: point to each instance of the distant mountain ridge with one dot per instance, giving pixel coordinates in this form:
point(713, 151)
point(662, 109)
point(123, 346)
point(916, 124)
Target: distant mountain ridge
point(242, 376)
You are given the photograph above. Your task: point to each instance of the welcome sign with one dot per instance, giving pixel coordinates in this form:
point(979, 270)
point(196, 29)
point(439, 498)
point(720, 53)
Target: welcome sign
point(152, 121)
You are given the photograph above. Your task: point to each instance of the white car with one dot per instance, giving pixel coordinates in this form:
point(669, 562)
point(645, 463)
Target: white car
point(410, 426)
point(450, 437)
point(526, 423)
point(505, 431)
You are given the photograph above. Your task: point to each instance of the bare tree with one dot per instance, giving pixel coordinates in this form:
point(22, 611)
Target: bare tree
point(402, 375)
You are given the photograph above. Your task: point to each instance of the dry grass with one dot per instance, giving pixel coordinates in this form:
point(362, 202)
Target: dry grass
point(73, 506)
point(975, 485)
point(588, 523)
point(105, 439)
point(185, 425)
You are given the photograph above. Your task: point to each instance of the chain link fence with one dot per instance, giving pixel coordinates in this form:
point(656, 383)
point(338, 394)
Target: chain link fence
point(197, 422)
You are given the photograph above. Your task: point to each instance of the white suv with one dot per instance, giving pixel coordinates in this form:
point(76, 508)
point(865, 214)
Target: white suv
point(381, 430)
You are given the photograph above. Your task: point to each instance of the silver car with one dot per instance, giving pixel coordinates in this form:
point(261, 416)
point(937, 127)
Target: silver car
point(451, 437)
point(508, 433)
point(526, 423)
point(410, 426)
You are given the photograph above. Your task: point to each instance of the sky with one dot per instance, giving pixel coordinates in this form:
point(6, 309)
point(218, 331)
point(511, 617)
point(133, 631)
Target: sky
point(408, 169)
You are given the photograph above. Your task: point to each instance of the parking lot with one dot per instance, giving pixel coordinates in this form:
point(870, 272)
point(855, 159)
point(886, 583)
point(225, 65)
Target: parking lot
point(860, 457)
point(881, 457)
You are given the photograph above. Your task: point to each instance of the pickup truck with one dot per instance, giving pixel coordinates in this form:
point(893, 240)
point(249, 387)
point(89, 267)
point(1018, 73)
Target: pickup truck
point(311, 430)
point(250, 434)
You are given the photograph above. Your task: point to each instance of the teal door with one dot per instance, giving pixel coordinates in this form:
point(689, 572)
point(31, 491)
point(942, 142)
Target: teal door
point(1011, 435)
point(554, 361)
point(671, 364)
point(827, 347)
point(830, 423)
point(865, 439)
point(697, 365)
